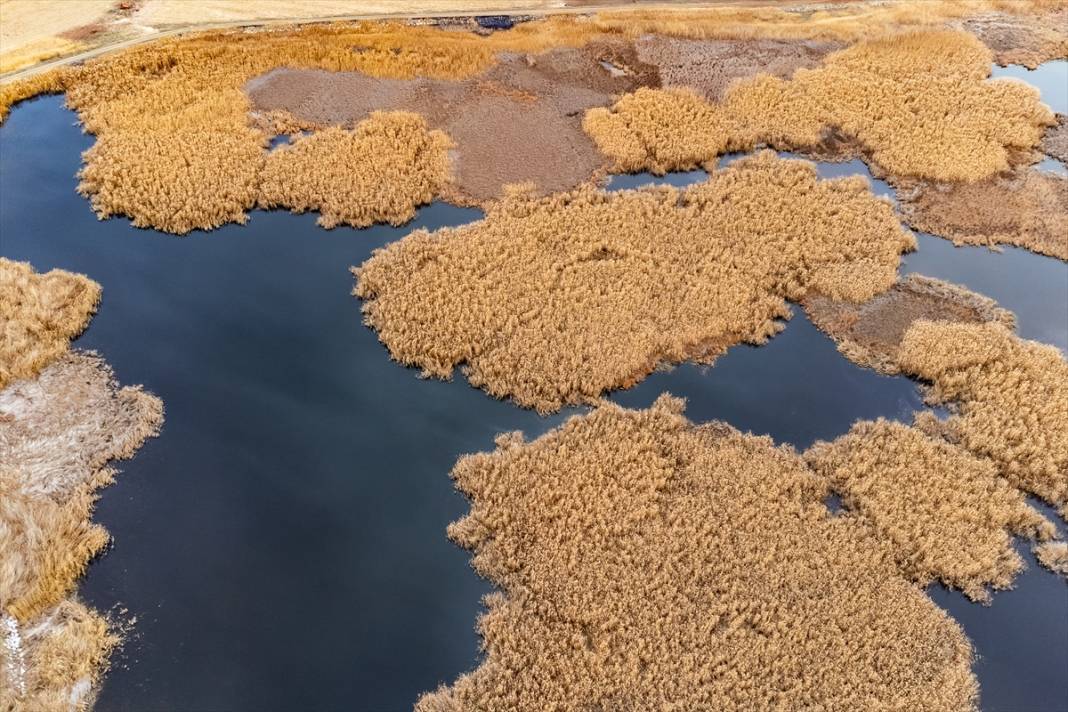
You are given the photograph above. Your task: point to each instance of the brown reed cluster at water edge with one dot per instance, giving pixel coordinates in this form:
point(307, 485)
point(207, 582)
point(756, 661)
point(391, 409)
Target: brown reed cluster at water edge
point(409, 168)
point(648, 563)
point(1009, 395)
point(58, 434)
point(39, 315)
point(946, 514)
point(556, 300)
point(919, 104)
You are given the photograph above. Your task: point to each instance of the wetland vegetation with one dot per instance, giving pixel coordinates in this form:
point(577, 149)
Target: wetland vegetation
point(639, 559)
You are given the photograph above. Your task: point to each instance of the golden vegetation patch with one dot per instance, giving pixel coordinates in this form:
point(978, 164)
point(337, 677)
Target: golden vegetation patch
point(315, 172)
point(647, 563)
point(1027, 208)
point(39, 315)
point(58, 433)
point(870, 333)
point(55, 664)
point(557, 300)
point(1010, 398)
point(947, 514)
point(1054, 556)
point(175, 146)
point(919, 103)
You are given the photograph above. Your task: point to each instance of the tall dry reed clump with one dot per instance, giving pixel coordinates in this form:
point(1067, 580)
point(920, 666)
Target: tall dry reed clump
point(410, 168)
point(57, 435)
point(870, 333)
point(647, 563)
point(39, 315)
point(946, 513)
point(1010, 396)
point(919, 103)
point(1027, 208)
point(556, 300)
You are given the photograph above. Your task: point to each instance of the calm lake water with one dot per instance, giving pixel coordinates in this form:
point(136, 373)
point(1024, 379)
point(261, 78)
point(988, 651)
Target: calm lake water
point(282, 543)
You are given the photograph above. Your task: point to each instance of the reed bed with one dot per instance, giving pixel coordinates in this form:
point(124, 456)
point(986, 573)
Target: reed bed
point(39, 315)
point(60, 660)
point(410, 168)
point(647, 563)
point(946, 514)
point(870, 333)
point(1054, 556)
point(1027, 208)
point(1010, 398)
point(58, 434)
point(556, 300)
point(177, 149)
point(919, 104)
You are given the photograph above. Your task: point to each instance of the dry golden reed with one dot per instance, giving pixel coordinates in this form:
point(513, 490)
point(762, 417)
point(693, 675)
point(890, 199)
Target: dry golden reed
point(1010, 398)
point(557, 300)
point(58, 661)
point(870, 333)
point(647, 563)
point(1053, 555)
point(410, 168)
point(1028, 208)
point(39, 315)
point(947, 514)
point(919, 104)
point(58, 433)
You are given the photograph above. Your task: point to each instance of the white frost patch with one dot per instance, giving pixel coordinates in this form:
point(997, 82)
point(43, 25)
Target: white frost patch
point(16, 664)
point(79, 691)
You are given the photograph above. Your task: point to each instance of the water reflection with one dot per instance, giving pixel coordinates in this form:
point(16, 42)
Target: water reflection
point(282, 543)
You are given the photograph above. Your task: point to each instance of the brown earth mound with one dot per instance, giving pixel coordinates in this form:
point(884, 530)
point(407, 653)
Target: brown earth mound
point(709, 66)
point(1027, 208)
point(1029, 40)
point(946, 514)
point(39, 315)
point(557, 300)
point(647, 563)
point(519, 122)
point(870, 333)
point(1055, 141)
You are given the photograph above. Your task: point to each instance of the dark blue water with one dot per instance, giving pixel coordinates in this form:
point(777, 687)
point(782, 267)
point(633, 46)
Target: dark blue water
point(282, 543)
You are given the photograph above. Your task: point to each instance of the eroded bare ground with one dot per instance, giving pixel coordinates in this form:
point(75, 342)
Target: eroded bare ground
point(870, 333)
point(1029, 40)
point(1027, 208)
point(519, 122)
point(1055, 140)
point(648, 563)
